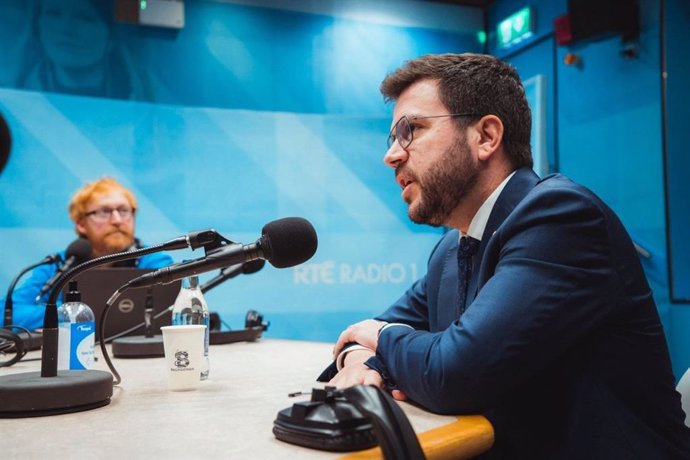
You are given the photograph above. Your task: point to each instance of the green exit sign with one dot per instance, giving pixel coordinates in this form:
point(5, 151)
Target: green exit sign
point(516, 27)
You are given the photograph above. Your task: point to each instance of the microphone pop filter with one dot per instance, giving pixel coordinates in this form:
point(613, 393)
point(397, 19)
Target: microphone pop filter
point(80, 249)
point(288, 242)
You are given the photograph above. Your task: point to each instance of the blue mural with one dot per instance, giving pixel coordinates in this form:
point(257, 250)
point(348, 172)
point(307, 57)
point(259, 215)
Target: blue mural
point(244, 116)
point(228, 55)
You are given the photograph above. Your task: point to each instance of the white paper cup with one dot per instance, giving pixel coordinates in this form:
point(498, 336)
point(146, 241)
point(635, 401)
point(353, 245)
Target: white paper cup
point(184, 355)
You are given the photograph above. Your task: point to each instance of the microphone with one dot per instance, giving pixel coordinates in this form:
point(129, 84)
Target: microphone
point(284, 243)
point(232, 271)
point(77, 252)
point(33, 340)
point(51, 259)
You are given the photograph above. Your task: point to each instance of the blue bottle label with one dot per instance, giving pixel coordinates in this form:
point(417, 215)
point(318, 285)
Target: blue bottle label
point(82, 338)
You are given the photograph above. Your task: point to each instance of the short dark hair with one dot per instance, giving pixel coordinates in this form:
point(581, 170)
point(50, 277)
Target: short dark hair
point(476, 83)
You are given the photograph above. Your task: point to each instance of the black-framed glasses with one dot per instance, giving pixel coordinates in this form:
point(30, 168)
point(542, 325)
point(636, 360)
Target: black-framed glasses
point(403, 130)
point(104, 214)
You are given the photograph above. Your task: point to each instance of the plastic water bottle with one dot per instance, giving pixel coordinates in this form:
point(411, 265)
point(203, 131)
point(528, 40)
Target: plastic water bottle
point(191, 308)
point(76, 332)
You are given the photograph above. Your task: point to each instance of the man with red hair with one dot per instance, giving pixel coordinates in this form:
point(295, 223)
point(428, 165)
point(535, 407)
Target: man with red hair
point(103, 213)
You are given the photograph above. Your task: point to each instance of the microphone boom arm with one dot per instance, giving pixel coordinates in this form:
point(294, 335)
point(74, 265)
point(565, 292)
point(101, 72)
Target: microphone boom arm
point(217, 258)
point(225, 274)
point(55, 258)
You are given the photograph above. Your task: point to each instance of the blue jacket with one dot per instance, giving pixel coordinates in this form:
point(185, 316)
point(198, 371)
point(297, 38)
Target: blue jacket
point(29, 314)
point(560, 345)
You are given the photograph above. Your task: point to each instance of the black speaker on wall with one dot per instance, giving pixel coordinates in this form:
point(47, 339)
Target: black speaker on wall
point(158, 13)
point(5, 142)
point(593, 19)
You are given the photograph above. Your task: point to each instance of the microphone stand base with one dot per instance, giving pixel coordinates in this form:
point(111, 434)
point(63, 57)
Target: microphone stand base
point(138, 346)
point(30, 395)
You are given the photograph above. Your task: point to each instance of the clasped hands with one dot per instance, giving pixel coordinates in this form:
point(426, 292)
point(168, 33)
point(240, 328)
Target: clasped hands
point(354, 371)
point(365, 333)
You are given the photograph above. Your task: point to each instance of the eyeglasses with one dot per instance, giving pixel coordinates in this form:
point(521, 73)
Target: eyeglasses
point(403, 130)
point(104, 214)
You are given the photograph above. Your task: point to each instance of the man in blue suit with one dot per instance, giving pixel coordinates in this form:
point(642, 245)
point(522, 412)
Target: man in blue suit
point(534, 310)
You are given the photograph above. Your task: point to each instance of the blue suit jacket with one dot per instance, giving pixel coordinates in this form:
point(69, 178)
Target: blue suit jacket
point(560, 345)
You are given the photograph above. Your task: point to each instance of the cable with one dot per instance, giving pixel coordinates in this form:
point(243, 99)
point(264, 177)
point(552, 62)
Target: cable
point(101, 340)
point(134, 328)
point(21, 328)
point(101, 327)
point(11, 343)
point(394, 432)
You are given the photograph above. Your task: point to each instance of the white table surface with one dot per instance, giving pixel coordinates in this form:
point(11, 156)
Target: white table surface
point(230, 416)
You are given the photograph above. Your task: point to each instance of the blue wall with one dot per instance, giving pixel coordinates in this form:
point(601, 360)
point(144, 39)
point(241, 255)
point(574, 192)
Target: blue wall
point(677, 99)
point(605, 131)
point(246, 115)
point(252, 113)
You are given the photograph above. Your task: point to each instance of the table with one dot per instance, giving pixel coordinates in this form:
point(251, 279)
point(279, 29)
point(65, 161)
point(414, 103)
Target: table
point(230, 416)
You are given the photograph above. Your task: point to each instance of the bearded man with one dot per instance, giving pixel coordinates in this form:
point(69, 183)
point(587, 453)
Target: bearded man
point(104, 214)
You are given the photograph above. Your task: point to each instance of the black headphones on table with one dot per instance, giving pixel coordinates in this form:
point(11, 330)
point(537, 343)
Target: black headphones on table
point(254, 327)
point(353, 418)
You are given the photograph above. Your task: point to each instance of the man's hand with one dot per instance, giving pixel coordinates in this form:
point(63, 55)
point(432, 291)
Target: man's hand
point(365, 333)
point(354, 372)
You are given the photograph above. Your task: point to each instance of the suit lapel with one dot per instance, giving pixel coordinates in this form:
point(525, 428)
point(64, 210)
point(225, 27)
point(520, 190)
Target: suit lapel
point(515, 190)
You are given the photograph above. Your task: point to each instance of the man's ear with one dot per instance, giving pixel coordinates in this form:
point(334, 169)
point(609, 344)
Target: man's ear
point(81, 230)
point(489, 131)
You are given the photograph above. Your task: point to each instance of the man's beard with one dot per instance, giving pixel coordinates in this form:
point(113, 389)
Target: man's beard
point(116, 242)
point(444, 185)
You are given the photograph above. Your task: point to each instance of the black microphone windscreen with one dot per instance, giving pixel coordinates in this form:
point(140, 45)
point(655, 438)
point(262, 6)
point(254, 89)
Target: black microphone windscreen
point(288, 242)
point(253, 266)
point(80, 249)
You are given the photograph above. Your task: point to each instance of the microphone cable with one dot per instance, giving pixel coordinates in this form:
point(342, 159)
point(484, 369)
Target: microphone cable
point(101, 326)
point(134, 328)
point(12, 344)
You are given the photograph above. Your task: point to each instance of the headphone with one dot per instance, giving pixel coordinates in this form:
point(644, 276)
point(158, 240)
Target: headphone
point(353, 418)
point(254, 327)
point(11, 343)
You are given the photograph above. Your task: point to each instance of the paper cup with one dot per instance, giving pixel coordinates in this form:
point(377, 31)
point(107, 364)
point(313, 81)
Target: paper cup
point(184, 355)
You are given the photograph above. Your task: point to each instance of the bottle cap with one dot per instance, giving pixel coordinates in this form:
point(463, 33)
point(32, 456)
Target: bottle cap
point(73, 294)
point(193, 281)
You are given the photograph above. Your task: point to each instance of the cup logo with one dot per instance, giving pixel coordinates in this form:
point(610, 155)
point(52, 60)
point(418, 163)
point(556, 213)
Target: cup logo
point(181, 359)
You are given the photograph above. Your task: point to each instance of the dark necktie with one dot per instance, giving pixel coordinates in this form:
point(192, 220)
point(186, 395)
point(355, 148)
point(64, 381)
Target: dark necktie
point(467, 248)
